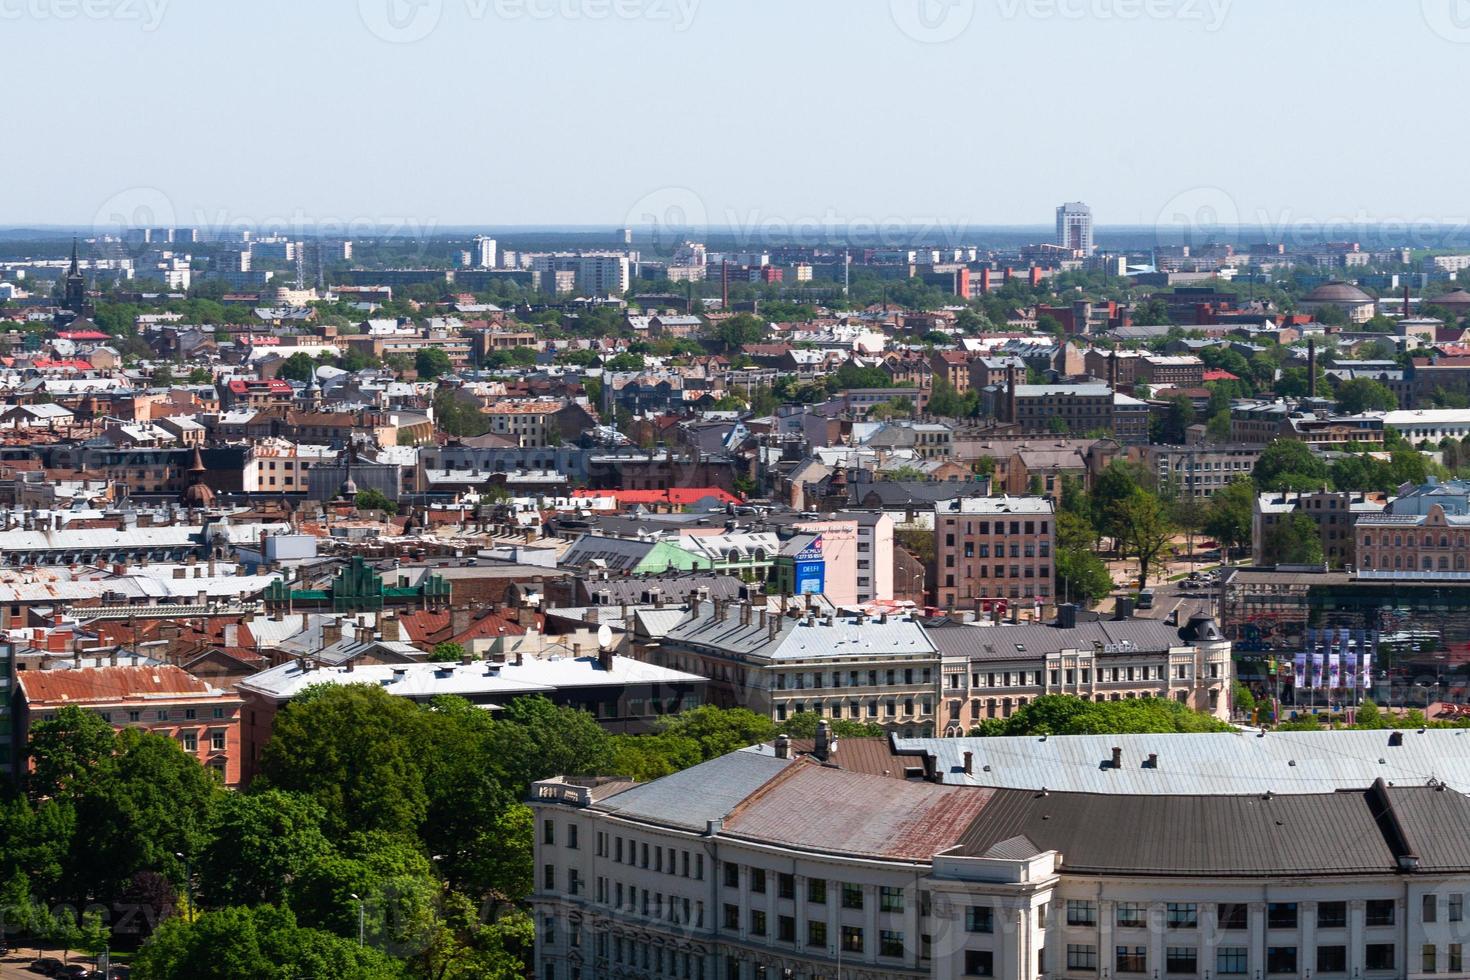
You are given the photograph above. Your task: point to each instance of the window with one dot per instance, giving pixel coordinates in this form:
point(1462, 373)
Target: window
point(890, 943)
point(1457, 908)
point(1429, 958)
point(758, 880)
point(548, 832)
point(757, 922)
point(852, 896)
point(979, 963)
point(1281, 915)
point(1081, 913)
point(1331, 959)
point(816, 933)
point(1230, 960)
point(1380, 912)
point(732, 875)
point(786, 886)
point(1378, 956)
point(1331, 915)
point(134, 715)
point(190, 714)
point(979, 918)
point(1454, 958)
point(217, 741)
point(732, 918)
point(816, 891)
point(890, 899)
point(1181, 959)
point(1131, 959)
point(786, 928)
point(852, 939)
point(191, 742)
point(1081, 957)
point(1429, 908)
point(548, 877)
point(1280, 959)
point(1232, 915)
point(1131, 915)
point(1183, 915)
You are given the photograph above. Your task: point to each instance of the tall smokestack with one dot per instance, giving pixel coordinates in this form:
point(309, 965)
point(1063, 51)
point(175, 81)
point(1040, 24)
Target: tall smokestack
point(1113, 369)
point(1011, 392)
point(1311, 368)
point(725, 284)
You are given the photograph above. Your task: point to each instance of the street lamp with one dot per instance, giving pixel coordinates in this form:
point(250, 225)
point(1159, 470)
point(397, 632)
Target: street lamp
point(188, 886)
point(361, 919)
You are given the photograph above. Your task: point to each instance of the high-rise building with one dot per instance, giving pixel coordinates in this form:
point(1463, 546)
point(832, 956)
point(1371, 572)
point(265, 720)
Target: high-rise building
point(485, 252)
point(1074, 227)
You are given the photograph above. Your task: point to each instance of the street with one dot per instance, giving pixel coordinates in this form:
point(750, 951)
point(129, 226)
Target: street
point(13, 966)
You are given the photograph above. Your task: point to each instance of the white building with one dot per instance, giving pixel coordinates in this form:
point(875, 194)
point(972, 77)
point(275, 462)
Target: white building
point(484, 252)
point(765, 864)
point(1074, 227)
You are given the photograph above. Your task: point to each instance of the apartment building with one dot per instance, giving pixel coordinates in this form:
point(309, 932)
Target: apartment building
point(281, 466)
point(162, 699)
point(994, 671)
point(768, 863)
point(529, 423)
point(1432, 541)
point(989, 548)
point(1199, 471)
point(880, 669)
point(1336, 515)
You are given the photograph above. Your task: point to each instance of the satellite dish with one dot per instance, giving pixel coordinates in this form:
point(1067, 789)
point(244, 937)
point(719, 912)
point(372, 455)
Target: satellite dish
point(604, 636)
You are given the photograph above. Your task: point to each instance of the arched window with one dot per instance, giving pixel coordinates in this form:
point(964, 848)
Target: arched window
point(1444, 563)
point(1428, 563)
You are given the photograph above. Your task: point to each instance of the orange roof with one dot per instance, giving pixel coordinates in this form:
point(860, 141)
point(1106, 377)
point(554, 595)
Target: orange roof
point(108, 684)
point(677, 496)
point(425, 628)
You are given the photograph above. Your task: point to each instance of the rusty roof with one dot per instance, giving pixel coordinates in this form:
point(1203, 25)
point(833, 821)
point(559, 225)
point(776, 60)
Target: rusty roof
point(808, 805)
point(110, 684)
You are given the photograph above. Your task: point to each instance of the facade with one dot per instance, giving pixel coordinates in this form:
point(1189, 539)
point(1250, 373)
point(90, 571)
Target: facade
point(994, 671)
point(530, 424)
point(882, 670)
point(1433, 541)
point(1074, 227)
point(761, 864)
point(162, 699)
point(990, 548)
point(1202, 470)
point(1336, 514)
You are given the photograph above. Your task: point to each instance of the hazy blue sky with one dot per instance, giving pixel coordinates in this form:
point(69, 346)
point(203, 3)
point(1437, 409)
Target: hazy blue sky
point(746, 111)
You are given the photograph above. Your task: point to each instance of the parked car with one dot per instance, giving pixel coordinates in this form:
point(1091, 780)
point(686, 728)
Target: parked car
point(76, 971)
point(47, 966)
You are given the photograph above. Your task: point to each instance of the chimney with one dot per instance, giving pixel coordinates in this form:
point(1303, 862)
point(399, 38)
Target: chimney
point(1152, 762)
point(1117, 757)
point(783, 746)
point(1011, 392)
point(466, 658)
point(1406, 300)
point(823, 747)
point(969, 763)
point(1113, 369)
point(1311, 368)
point(745, 614)
point(1124, 608)
point(459, 621)
point(389, 626)
point(331, 632)
point(605, 659)
point(1015, 613)
point(1067, 616)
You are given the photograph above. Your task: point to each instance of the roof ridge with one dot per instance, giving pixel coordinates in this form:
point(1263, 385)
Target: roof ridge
point(765, 788)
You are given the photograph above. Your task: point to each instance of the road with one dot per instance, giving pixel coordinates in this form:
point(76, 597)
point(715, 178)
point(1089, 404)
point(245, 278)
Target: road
point(13, 967)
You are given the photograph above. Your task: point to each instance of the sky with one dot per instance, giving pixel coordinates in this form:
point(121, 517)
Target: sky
point(757, 114)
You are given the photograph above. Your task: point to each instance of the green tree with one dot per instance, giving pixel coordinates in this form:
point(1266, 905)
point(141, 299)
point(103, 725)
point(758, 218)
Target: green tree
point(1082, 576)
point(1229, 514)
point(300, 366)
point(719, 731)
point(1065, 714)
point(1171, 427)
point(944, 401)
point(1365, 395)
point(1110, 492)
point(1144, 532)
point(732, 333)
point(432, 362)
point(371, 499)
point(1294, 541)
point(68, 752)
point(259, 843)
point(1287, 464)
point(1152, 313)
point(446, 652)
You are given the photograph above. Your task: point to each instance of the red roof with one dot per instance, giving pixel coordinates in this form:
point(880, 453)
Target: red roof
point(424, 628)
point(70, 365)
point(274, 384)
point(82, 335)
point(94, 684)
point(1219, 374)
point(676, 496)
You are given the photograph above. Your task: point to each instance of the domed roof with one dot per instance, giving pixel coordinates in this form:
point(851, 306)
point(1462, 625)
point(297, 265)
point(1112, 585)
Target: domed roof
point(1338, 292)
point(1456, 298)
point(197, 495)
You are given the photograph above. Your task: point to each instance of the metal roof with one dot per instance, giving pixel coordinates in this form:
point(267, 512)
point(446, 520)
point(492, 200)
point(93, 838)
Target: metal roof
point(1206, 762)
point(693, 797)
point(1029, 640)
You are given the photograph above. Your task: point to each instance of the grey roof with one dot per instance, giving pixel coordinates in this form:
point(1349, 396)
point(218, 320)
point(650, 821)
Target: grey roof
point(618, 553)
point(1224, 762)
point(672, 588)
point(898, 494)
point(795, 640)
point(1226, 836)
point(1027, 640)
point(693, 797)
